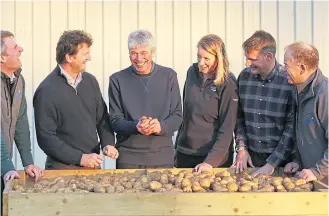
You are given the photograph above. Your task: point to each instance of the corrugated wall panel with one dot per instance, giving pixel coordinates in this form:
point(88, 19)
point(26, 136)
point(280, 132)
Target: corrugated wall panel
point(176, 25)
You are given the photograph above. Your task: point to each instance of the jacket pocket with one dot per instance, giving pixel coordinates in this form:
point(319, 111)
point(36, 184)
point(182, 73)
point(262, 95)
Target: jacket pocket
point(309, 127)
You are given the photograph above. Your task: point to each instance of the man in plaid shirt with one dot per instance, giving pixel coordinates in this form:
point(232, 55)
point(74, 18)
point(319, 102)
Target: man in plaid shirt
point(264, 129)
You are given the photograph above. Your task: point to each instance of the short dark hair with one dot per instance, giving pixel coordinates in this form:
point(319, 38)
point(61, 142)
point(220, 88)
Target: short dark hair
point(69, 43)
point(4, 34)
point(260, 41)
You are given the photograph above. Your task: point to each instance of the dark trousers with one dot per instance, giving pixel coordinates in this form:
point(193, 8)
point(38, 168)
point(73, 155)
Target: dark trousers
point(259, 159)
point(135, 166)
point(190, 161)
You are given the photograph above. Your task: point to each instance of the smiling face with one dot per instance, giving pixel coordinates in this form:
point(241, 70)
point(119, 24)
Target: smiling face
point(293, 69)
point(79, 60)
point(207, 62)
point(141, 59)
point(256, 61)
point(10, 61)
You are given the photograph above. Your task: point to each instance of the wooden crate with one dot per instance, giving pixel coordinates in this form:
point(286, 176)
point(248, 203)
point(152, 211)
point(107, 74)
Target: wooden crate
point(90, 204)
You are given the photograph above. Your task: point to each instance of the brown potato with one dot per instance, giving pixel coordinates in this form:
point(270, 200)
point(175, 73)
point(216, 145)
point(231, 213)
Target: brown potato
point(167, 186)
point(119, 189)
point(224, 174)
point(154, 185)
point(299, 182)
point(99, 189)
point(205, 183)
point(187, 189)
point(110, 189)
point(186, 183)
point(245, 188)
point(228, 178)
point(289, 186)
point(232, 187)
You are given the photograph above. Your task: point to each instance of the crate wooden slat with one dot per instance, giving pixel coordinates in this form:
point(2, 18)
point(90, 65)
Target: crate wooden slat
point(42, 204)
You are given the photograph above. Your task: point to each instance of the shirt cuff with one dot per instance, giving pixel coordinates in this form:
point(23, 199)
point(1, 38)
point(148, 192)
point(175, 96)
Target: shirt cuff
point(27, 159)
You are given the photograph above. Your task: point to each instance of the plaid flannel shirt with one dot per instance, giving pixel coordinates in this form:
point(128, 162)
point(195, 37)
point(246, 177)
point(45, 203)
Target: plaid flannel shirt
point(266, 114)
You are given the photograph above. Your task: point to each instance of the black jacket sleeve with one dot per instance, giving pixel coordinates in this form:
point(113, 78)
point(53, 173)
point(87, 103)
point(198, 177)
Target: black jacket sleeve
point(6, 163)
point(45, 113)
point(227, 114)
point(104, 129)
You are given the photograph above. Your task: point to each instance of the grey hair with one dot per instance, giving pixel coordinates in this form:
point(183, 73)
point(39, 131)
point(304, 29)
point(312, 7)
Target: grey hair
point(4, 34)
point(141, 37)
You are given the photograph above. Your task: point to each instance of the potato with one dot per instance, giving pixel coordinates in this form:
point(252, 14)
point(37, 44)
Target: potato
point(110, 189)
point(187, 189)
point(186, 183)
point(245, 188)
point(164, 179)
point(99, 189)
point(168, 172)
point(299, 182)
point(224, 174)
point(228, 178)
point(196, 188)
point(205, 183)
point(137, 184)
point(289, 186)
point(249, 177)
point(223, 182)
point(188, 175)
point(119, 189)
point(143, 179)
point(232, 187)
point(160, 190)
point(279, 187)
point(276, 181)
point(154, 185)
point(127, 185)
point(167, 186)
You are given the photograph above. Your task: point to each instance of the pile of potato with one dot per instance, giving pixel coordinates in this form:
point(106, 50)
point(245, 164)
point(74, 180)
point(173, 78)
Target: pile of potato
point(166, 181)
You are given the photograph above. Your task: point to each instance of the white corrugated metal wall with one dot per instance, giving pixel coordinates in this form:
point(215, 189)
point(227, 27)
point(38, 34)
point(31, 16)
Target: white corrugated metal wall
point(176, 25)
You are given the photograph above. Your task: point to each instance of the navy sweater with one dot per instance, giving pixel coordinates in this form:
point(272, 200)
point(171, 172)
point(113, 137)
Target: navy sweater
point(67, 122)
point(155, 95)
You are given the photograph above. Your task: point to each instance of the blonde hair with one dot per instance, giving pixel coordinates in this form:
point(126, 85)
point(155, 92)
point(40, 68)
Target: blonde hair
point(215, 46)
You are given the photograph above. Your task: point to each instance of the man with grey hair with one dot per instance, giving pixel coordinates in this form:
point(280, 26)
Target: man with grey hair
point(14, 121)
point(311, 96)
point(145, 107)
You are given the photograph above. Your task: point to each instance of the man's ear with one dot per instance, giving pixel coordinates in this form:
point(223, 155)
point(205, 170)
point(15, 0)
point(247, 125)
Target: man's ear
point(3, 58)
point(68, 58)
point(302, 69)
point(270, 56)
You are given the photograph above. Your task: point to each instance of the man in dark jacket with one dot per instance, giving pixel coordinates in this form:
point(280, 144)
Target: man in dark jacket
point(311, 96)
point(14, 122)
point(70, 111)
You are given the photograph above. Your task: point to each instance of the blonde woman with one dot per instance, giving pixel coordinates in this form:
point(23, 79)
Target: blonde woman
point(205, 138)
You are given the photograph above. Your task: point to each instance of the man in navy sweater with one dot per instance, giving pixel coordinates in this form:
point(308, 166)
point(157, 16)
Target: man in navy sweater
point(70, 111)
point(145, 107)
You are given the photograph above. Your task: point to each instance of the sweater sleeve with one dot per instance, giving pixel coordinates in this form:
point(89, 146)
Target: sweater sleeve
point(46, 121)
point(117, 117)
point(22, 132)
point(104, 129)
point(6, 163)
point(170, 124)
point(227, 119)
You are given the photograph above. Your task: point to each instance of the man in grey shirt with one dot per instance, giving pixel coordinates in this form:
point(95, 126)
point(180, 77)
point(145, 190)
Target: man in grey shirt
point(145, 107)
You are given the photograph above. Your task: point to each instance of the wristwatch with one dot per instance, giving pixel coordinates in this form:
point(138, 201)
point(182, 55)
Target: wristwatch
point(239, 148)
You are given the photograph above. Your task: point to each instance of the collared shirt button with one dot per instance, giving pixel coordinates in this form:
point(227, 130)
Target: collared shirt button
point(258, 113)
point(259, 141)
point(258, 127)
point(263, 85)
point(261, 99)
